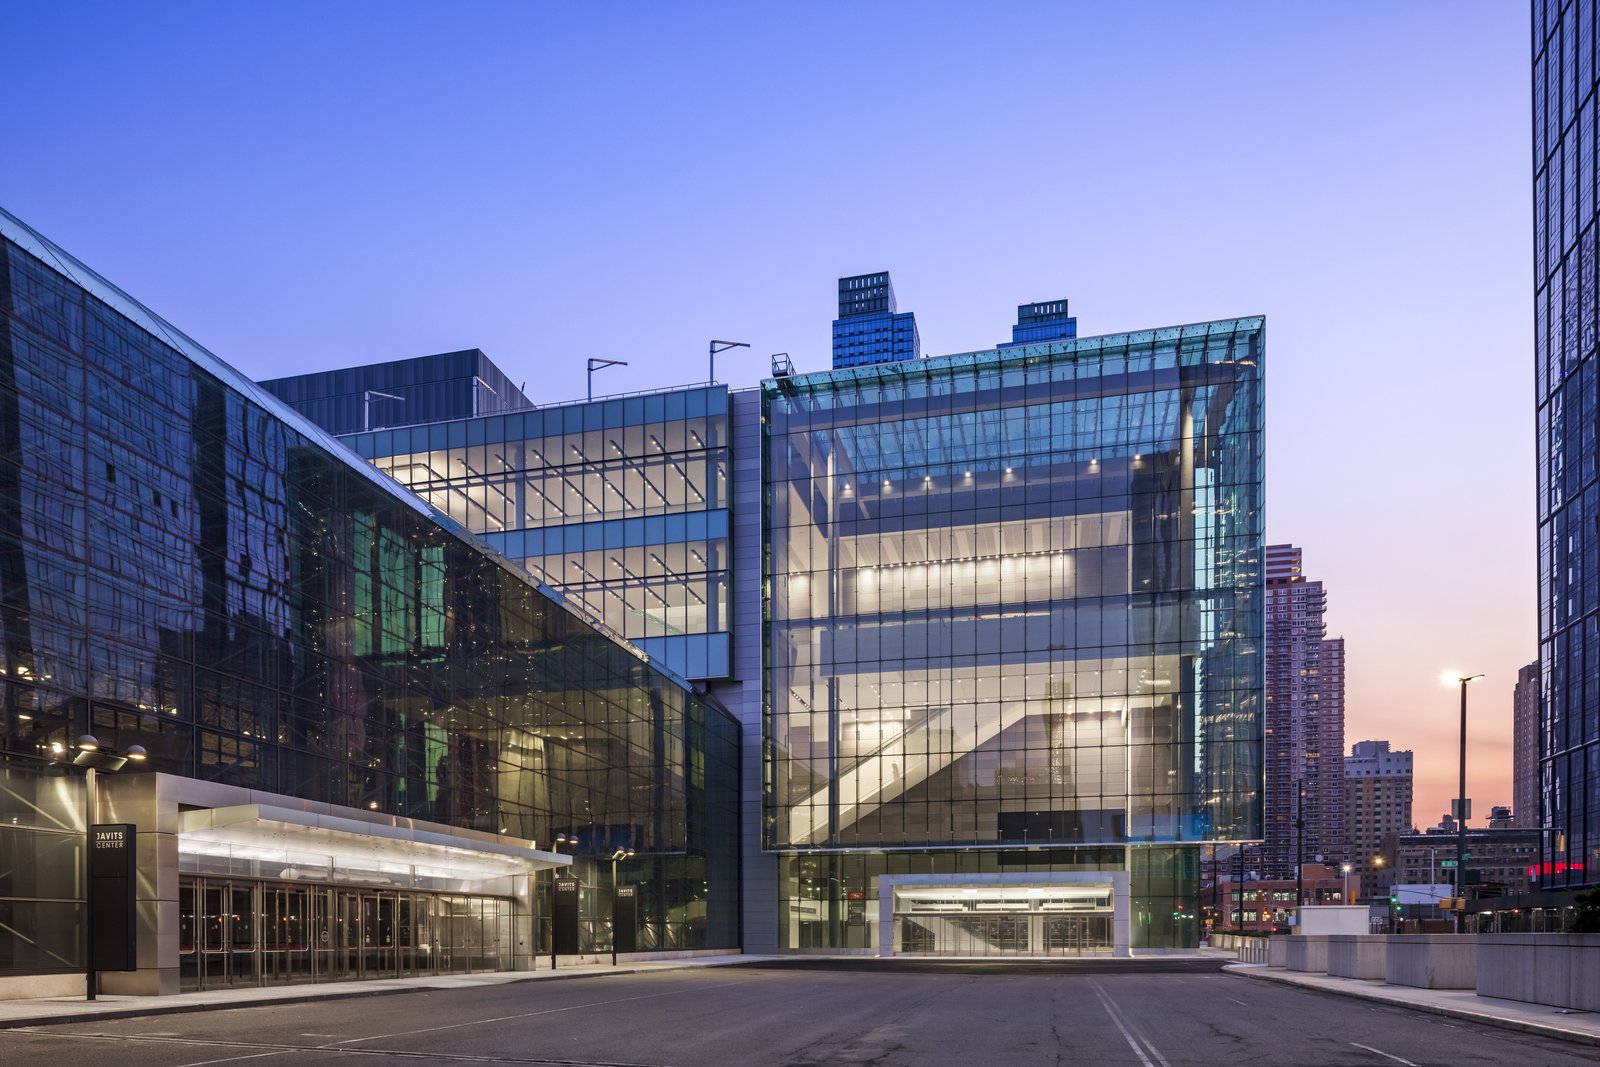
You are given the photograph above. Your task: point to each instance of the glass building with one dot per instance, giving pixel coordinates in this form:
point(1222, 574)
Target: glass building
point(365, 728)
point(1014, 674)
point(1566, 384)
point(870, 329)
point(621, 503)
point(402, 392)
point(1041, 322)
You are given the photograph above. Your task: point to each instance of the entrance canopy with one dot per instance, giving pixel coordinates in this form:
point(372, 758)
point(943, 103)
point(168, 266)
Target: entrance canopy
point(290, 843)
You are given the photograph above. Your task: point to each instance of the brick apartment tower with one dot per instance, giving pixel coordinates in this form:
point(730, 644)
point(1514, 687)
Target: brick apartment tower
point(1377, 787)
point(1304, 746)
point(1525, 749)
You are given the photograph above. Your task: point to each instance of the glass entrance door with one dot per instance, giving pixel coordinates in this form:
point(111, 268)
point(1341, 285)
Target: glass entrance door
point(235, 932)
point(1004, 920)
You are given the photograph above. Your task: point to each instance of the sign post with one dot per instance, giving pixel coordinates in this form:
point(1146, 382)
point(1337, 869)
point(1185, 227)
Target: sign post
point(564, 917)
point(111, 933)
point(624, 921)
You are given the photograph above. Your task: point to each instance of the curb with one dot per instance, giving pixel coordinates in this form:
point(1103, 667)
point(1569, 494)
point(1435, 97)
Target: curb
point(332, 993)
point(1577, 1037)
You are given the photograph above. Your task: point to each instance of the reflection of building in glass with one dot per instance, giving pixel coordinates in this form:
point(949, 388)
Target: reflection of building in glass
point(1566, 371)
point(1015, 631)
point(869, 328)
point(358, 718)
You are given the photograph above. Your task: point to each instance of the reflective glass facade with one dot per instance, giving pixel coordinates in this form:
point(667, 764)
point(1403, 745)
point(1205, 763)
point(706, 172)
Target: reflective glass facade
point(1567, 382)
point(188, 566)
point(402, 392)
point(1015, 604)
point(622, 504)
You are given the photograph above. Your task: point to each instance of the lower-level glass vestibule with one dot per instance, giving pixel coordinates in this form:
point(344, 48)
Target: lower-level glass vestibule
point(245, 932)
point(1055, 920)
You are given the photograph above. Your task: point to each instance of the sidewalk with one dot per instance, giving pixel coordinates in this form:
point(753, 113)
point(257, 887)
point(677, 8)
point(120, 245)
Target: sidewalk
point(46, 1011)
point(1562, 1024)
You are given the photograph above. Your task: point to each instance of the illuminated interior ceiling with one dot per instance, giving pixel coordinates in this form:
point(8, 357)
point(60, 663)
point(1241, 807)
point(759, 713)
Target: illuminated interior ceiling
point(1086, 893)
point(291, 836)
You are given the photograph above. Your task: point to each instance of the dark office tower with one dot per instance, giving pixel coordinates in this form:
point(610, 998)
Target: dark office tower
point(869, 329)
point(1566, 382)
point(402, 392)
point(1304, 721)
point(1039, 324)
point(1525, 748)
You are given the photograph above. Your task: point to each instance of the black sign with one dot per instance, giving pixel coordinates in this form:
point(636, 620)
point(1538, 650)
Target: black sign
point(625, 919)
point(564, 914)
point(113, 859)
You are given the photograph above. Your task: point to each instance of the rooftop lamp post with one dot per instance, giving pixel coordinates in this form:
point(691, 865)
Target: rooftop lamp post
point(596, 363)
point(721, 346)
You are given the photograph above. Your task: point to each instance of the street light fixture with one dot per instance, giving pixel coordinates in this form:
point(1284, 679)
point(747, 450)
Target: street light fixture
point(1462, 808)
point(721, 346)
point(595, 363)
point(1346, 869)
point(617, 854)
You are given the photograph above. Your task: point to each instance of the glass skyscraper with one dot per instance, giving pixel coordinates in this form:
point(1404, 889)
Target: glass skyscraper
point(1014, 669)
point(870, 328)
point(189, 566)
point(1566, 385)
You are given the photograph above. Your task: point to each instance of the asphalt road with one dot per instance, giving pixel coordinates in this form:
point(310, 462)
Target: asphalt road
point(808, 1014)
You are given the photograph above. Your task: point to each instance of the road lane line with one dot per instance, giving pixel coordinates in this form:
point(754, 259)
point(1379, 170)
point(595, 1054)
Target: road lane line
point(1129, 1031)
point(1241, 1003)
point(235, 1059)
point(1385, 1055)
point(530, 1014)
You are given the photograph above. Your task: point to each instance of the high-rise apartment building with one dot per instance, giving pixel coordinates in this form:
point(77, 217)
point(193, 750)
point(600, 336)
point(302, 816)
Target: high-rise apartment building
point(1304, 721)
point(1377, 789)
point(1566, 252)
point(1525, 748)
point(870, 328)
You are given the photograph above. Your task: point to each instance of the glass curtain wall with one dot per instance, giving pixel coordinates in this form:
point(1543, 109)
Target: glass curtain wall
point(187, 566)
point(1566, 388)
point(622, 504)
point(1015, 601)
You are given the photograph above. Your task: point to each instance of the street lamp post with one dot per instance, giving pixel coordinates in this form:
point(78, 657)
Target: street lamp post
point(1345, 869)
point(617, 854)
point(1461, 800)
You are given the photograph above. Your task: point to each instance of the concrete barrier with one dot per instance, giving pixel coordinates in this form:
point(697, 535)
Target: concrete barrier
point(1432, 961)
point(1277, 952)
point(1358, 956)
point(1308, 952)
point(1562, 970)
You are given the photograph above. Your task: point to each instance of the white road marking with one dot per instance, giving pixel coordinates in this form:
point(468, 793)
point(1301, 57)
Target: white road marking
point(1241, 1003)
point(1385, 1055)
point(234, 1059)
point(1129, 1032)
point(531, 1014)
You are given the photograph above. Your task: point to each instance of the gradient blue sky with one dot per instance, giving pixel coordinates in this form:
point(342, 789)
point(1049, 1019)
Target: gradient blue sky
point(307, 186)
